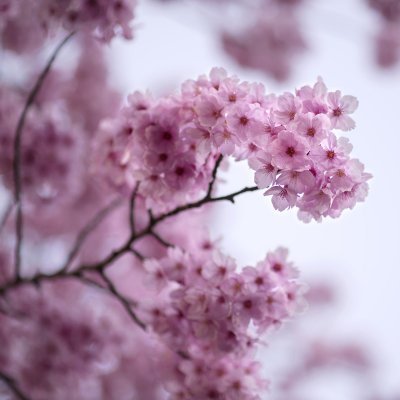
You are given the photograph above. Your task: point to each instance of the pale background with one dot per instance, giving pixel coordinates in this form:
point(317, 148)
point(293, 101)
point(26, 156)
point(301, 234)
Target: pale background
point(359, 252)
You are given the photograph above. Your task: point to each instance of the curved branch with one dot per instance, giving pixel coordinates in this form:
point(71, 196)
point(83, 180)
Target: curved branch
point(5, 216)
point(87, 230)
point(10, 382)
point(132, 209)
point(17, 154)
point(127, 246)
point(160, 239)
point(124, 302)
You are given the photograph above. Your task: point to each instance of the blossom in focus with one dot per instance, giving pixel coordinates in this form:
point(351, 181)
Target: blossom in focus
point(170, 145)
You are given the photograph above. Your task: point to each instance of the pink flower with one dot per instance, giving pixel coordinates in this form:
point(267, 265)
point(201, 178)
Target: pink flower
point(314, 204)
point(288, 107)
point(332, 153)
point(279, 266)
point(209, 109)
point(348, 199)
point(339, 108)
point(298, 182)
point(313, 127)
point(289, 151)
point(265, 172)
point(248, 306)
point(220, 268)
point(224, 140)
point(387, 45)
point(242, 121)
point(282, 198)
point(258, 279)
point(269, 44)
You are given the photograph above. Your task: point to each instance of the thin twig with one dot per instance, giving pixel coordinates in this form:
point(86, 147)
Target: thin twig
point(5, 216)
point(160, 239)
point(214, 175)
point(132, 208)
point(17, 155)
point(124, 302)
point(87, 230)
point(126, 247)
point(97, 285)
point(10, 382)
point(139, 255)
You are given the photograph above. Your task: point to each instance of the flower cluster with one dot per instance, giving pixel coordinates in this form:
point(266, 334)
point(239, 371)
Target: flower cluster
point(50, 151)
point(24, 25)
point(69, 342)
point(269, 44)
point(307, 164)
point(206, 311)
point(55, 142)
point(388, 38)
point(170, 145)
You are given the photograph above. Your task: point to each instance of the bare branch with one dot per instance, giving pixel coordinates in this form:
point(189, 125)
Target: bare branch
point(87, 230)
point(97, 285)
point(5, 216)
point(12, 385)
point(214, 175)
point(124, 302)
point(139, 255)
point(160, 239)
point(132, 209)
point(205, 200)
point(17, 154)
point(126, 247)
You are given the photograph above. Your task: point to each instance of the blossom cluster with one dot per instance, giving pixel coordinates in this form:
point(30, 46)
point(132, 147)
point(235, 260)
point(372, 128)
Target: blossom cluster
point(270, 43)
point(24, 25)
point(69, 342)
point(203, 322)
point(170, 144)
point(50, 150)
point(55, 141)
point(206, 311)
point(388, 38)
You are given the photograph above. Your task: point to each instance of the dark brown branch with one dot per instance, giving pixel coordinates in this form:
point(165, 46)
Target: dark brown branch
point(87, 230)
point(124, 302)
point(139, 255)
point(12, 385)
point(97, 285)
point(17, 155)
point(207, 199)
point(127, 246)
point(160, 239)
point(5, 216)
point(214, 175)
point(132, 209)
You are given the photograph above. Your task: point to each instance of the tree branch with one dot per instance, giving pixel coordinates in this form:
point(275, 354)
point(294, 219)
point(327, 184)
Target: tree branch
point(127, 246)
point(5, 216)
point(160, 239)
point(12, 385)
point(124, 302)
point(139, 255)
point(132, 209)
point(17, 155)
point(87, 230)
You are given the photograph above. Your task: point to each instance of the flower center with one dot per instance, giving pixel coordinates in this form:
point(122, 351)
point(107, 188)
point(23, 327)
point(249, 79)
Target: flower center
point(330, 154)
point(337, 112)
point(290, 151)
point(311, 132)
point(244, 120)
point(167, 136)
